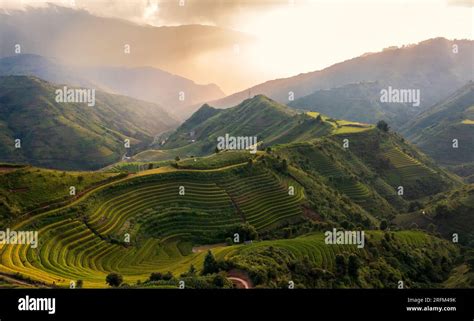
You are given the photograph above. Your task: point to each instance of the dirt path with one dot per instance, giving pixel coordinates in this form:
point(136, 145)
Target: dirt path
point(240, 279)
point(243, 283)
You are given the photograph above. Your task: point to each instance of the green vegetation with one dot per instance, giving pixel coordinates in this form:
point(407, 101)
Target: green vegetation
point(24, 189)
point(359, 102)
point(435, 129)
point(446, 213)
point(72, 136)
point(259, 116)
point(199, 219)
point(310, 263)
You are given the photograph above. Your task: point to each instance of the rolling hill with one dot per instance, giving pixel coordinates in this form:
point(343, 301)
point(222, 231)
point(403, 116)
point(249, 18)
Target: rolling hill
point(357, 102)
point(83, 240)
point(369, 172)
point(434, 130)
point(144, 83)
point(72, 135)
point(259, 116)
point(448, 213)
point(157, 219)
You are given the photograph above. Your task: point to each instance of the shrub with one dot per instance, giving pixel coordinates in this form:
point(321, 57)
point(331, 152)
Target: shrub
point(114, 279)
point(167, 276)
point(156, 276)
point(210, 264)
point(382, 125)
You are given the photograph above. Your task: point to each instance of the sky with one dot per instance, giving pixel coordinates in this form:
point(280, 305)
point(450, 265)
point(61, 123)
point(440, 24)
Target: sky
point(297, 36)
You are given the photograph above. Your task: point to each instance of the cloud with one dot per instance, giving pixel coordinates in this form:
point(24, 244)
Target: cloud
point(461, 3)
point(223, 13)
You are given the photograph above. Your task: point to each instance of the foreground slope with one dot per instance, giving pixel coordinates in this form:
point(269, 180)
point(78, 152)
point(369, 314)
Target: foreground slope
point(72, 135)
point(85, 239)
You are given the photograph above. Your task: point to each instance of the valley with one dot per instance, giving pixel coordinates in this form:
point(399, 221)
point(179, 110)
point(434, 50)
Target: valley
point(132, 174)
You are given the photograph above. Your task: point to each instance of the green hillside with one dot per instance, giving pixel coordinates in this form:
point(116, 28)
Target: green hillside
point(447, 213)
point(85, 239)
point(169, 212)
point(259, 116)
point(24, 189)
point(357, 102)
point(433, 131)
point(264, 214)
point(72, 135)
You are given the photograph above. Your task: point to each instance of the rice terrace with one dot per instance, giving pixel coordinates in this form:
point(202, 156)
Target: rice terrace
point(206, 152)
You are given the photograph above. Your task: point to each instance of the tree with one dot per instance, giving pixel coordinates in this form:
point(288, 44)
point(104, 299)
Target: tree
point(167, 276)
point(284, 166)
point(414, 206)
point(353, 266)
point(319, 119)
point(340, 265)
point(382, 125)
point(114, 279)
point(177, 158)
point(218, 281)
point(250, 163)
point(442, 211)
point(216, 150)
point(210, 264)
point(383, 225)
point(156, 276)
point(247, 232)
point(192, 270)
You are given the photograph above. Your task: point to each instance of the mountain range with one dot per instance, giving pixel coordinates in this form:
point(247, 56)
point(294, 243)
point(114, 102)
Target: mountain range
point(431, 66)
point(199, 52)
point(144, 83)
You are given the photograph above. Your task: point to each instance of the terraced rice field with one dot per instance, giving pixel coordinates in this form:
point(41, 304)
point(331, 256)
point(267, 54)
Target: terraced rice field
point(327, 167)
point(85, 240)
point(407, 168)
point(354, 189)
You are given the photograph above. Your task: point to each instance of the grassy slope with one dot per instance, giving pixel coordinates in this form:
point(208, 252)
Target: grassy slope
point(434, 130)
point(458, 217)
point(26, 188)
point(358, 102)
point(71, 135)
point(270, 121)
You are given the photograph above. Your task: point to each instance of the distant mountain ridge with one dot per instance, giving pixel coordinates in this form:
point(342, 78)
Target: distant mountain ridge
point(84, 39)
point(358, 102)
point(430, 66)
point(170, 91)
